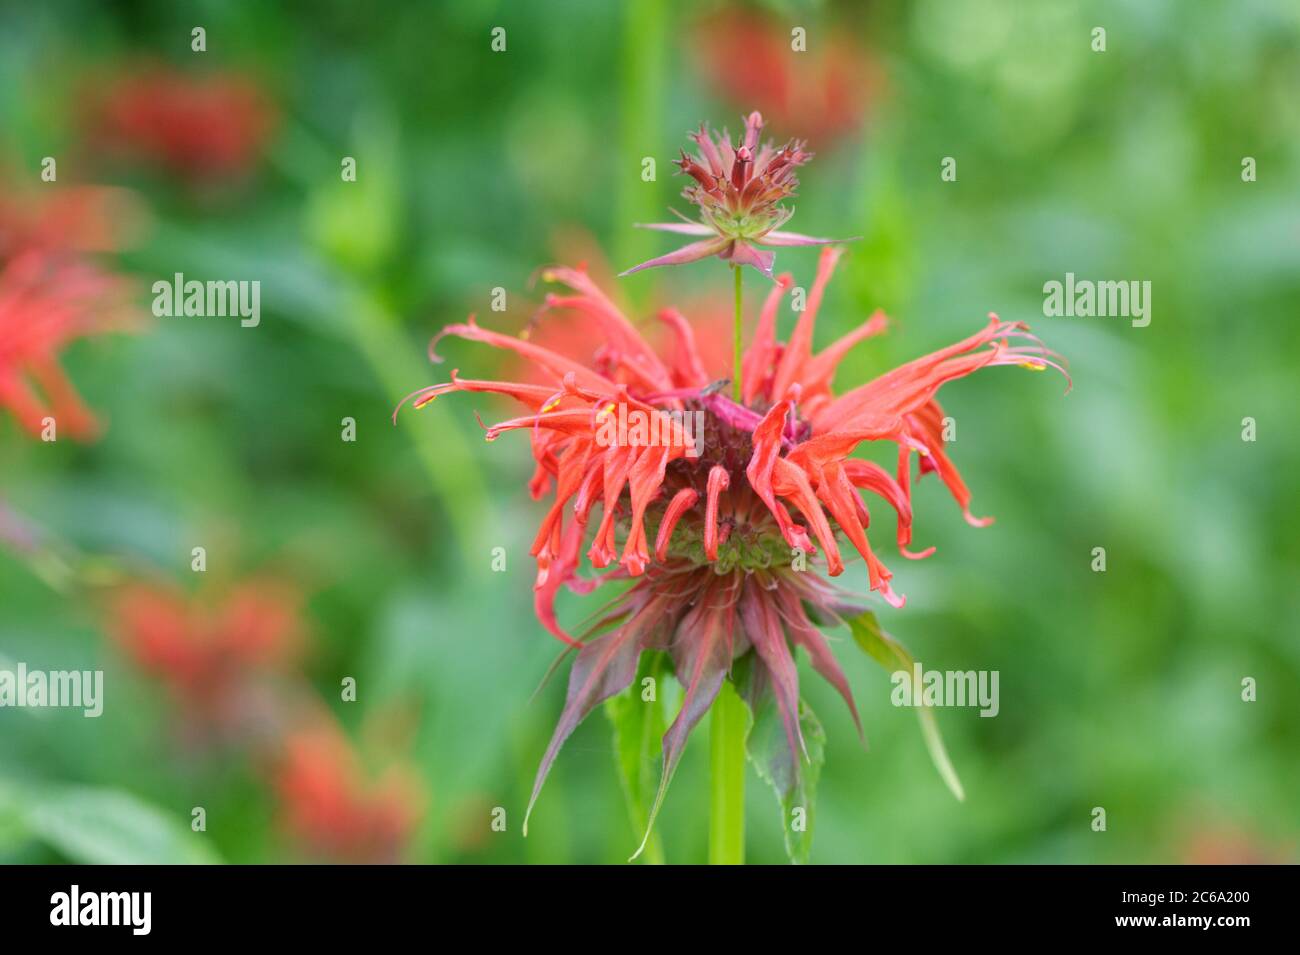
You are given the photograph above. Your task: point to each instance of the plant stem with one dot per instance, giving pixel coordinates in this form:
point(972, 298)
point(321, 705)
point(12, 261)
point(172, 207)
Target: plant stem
point(735, 339)
point(728, 722)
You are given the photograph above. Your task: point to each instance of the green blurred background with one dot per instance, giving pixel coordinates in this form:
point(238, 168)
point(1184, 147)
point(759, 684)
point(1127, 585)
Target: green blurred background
point(1119, 689)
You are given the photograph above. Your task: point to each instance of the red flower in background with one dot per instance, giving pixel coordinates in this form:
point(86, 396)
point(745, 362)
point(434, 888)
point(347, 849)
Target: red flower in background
point(196, 127)
point(701, 518)
point(331, 808)
point(746, 55)
point(46, 302)
point(229, 663)
point(70, 219)
point(211, 653)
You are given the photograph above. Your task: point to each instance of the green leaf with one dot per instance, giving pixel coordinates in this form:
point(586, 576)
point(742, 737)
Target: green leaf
point(13, 820)
point(893, 656)
point(110, 827)
point(793, 781)
point(638, 726)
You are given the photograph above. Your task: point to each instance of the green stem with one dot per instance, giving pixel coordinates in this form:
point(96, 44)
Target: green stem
point(728, 722)
point(736, 325)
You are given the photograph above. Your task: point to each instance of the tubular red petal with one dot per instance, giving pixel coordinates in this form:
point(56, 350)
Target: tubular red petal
point(819, 370)
point(646, 478)
point(719, 481)
point(553, 577)
point(766, 438)
point(688, 371)
point(909, 386)
point(551, 362)
point(842, 501)
point(790, 482)
point(682, 502)
point(799, 348)
point(870, 476)
point(758, 360)
point(618, 461)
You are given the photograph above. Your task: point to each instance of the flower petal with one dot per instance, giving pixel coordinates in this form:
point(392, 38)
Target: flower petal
point(758, 360)
point(687, 253)
point(742, 253)
point(788, 239)
point(682, 228)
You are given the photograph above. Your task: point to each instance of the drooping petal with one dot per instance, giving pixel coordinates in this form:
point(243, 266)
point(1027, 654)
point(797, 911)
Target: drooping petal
point(939, 461)
point(605, 666)
point(762, 624)
point(682, 502)
point(719, 481)
point(767, 438)
point(617, 461)
point(560, 570)
point(687, 253)
point(840, 498)
point(701, 663)
point(743, 253)
point(645, 480)
point(803, 633)
point(869, 476)
point(790, 481)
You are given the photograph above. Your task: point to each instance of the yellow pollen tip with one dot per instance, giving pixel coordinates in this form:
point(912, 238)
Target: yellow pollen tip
point(550, 405)
point(423, 401)
point(1033, 366)
point(608, 409)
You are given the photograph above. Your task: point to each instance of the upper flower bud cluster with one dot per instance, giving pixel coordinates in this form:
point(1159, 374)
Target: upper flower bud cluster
point(738, 188)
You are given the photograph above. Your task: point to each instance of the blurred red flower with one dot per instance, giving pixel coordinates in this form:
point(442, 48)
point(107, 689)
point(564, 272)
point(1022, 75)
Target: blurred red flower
point(331, 808)
point(196, 127)
point(68, 219)
point(47, 301)
point(210, 652)
point(747, 56)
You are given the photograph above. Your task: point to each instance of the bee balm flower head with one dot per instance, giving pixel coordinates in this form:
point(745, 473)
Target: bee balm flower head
point(738, 189)
point(710, 526)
